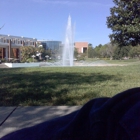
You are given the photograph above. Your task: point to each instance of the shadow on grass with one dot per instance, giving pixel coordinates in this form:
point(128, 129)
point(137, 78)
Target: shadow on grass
point(48, 88)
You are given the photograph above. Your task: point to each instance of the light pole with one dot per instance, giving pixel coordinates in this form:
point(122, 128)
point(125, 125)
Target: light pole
point(47, 56)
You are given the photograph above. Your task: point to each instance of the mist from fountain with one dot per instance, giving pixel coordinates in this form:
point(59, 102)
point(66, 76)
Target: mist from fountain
point(68, 49)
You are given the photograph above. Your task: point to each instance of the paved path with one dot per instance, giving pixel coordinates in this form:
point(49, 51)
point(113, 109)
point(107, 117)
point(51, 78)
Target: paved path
point(3, 66)
point(15, 118)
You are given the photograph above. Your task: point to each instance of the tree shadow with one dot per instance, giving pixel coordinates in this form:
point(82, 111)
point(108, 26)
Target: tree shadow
point(48, 88)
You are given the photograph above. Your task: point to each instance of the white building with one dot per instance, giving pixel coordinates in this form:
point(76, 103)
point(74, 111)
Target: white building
point(10, 45)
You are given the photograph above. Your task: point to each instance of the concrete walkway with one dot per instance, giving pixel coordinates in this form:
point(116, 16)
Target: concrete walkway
point(3, 66)
point(15, 118)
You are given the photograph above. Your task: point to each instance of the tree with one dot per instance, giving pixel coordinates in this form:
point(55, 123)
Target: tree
point(90, 51)
point(103, 51)
point(27, 52)
point(135, 52)
point(40, 50)
point(125, 22)
point(121, 52)
point(49, 53)
point(97, 50)
point(75, 52)
point(110, 48)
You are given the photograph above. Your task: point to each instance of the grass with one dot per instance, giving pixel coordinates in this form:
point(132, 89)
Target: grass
point(64, 85)
point(129, 61)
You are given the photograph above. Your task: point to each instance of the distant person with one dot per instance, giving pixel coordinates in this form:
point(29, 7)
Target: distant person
point(116, 118)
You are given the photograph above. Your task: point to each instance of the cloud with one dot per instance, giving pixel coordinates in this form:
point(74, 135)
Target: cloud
point(62, 2)
point(74, 3)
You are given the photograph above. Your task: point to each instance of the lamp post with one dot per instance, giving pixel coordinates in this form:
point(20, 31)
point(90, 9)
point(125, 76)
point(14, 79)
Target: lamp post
point(47, 56)
point(33, 57)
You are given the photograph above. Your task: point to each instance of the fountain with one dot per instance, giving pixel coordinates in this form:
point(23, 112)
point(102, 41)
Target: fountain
point(68, 50)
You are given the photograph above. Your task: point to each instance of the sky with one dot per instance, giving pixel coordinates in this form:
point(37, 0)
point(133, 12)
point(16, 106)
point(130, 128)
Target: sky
point(47, 19)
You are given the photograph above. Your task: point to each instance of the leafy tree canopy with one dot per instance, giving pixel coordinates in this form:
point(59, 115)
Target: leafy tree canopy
point(124, 22)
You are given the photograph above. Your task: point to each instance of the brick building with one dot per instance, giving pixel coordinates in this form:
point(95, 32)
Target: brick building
point(81, 47)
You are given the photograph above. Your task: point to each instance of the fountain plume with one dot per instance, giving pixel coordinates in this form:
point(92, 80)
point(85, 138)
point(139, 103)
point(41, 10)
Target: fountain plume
point(68, 50)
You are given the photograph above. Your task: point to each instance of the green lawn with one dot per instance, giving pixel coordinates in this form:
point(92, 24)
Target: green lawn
point(129, 61)
point(64, 85)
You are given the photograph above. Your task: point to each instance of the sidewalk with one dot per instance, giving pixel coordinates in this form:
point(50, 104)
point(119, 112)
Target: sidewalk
point(3, 66)
point(15, 118)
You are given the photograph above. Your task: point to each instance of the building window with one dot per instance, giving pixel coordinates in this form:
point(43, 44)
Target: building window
point(84, 49)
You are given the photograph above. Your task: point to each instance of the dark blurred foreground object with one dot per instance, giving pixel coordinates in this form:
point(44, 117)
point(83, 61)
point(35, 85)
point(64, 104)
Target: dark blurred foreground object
point(116, 118)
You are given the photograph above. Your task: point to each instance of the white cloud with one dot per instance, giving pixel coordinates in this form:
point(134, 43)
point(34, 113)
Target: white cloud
point(64, 2)
point(73, 3)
